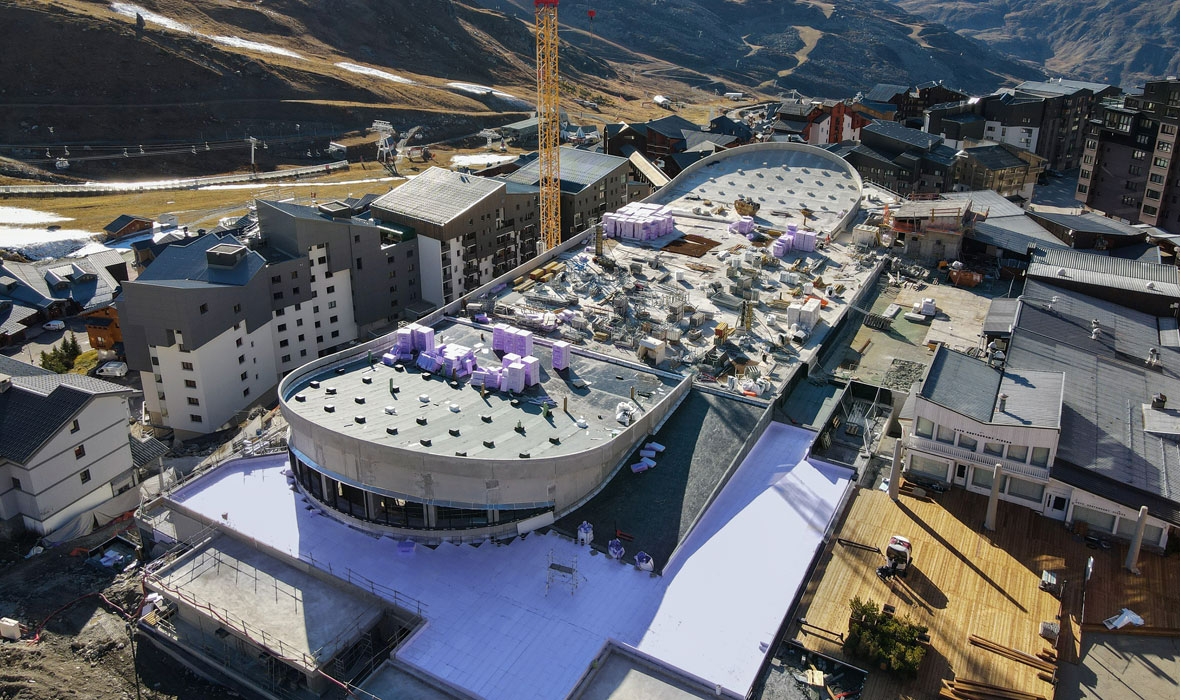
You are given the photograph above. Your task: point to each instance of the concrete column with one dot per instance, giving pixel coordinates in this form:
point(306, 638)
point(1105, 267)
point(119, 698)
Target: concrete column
point(993, 501)
point(895, 475)
point(1133, 553)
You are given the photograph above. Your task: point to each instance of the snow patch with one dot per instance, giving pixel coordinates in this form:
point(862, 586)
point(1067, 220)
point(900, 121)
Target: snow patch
point(484, 90)
point(149, 17)
point(34, 243)
point(240, 43)
point(469, 161)
point(260, 185)
point(25, 217)
point(366, 70)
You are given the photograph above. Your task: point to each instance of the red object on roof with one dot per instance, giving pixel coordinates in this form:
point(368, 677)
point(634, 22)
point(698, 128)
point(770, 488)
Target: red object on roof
point(591, 13)
point(540, 3)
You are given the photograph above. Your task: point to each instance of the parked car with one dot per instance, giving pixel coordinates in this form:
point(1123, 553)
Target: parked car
point(54, 326)
point(112, 369)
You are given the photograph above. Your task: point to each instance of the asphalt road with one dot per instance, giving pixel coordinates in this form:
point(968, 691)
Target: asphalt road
point(47, 340)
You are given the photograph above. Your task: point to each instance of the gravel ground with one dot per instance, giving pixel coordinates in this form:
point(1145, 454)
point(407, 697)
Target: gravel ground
point(85, 650)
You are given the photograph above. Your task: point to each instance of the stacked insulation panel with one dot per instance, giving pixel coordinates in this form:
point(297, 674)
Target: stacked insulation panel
point(638, 221)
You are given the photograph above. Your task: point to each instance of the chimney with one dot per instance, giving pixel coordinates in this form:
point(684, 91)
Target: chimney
point(1153, 357)
point(5, 383)
point(1003, 403)
point(1159, 402)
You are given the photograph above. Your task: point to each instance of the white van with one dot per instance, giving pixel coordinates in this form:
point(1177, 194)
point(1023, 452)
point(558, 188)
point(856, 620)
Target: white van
point(113, 369)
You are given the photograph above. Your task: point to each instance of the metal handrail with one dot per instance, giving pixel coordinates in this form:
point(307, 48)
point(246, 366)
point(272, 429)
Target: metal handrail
point(1009, 466)
point(179, 184)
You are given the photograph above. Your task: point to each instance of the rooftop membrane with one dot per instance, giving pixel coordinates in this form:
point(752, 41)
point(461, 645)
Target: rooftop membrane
point(456, 417)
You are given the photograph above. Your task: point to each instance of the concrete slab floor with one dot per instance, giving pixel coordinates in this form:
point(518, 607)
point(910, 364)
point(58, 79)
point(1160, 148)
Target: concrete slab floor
point(1122, 667)
point(621, 677)
point(390, 682)
point(306, 613)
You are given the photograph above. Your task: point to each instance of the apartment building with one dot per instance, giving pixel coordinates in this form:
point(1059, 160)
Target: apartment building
point(1000, 167)
point(468, 229)
point(1128, 166)
point(908, 102)
point(64, 446)
point(212, 325)
point(591, 184)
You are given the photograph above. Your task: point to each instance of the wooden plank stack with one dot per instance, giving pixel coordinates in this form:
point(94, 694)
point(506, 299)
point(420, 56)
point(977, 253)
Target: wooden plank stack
point(960, 689)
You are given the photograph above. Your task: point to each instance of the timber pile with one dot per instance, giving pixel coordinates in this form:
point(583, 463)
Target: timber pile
point(974, 690)
point(1036, 662)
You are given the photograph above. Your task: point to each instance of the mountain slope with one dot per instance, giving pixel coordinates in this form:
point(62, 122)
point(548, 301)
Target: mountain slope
point(1118, 41)
point(827, 48)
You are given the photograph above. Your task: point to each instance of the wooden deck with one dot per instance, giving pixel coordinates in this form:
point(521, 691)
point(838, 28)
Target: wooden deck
point(967, 581)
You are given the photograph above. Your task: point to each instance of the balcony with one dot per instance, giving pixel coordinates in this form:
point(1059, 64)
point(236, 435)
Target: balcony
point(1039, 474)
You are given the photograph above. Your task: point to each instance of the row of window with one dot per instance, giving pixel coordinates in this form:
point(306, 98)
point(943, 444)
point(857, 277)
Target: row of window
point(1037, 456)
point(397, 512)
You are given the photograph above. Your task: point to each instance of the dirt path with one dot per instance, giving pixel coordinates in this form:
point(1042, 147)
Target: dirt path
point(810, 37)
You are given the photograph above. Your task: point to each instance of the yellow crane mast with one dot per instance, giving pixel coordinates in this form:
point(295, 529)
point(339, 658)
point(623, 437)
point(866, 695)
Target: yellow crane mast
point(548, 123)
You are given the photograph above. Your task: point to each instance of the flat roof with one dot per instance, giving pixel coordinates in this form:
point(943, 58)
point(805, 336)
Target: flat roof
point(606, 384)
point(494, 630)
point(309, 615)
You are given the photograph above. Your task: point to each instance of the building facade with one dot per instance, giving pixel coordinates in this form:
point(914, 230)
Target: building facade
point(1128, 166)
point(64, 446)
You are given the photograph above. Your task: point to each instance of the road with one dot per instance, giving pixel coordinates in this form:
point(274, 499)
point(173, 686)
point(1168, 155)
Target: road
point(1057, 196)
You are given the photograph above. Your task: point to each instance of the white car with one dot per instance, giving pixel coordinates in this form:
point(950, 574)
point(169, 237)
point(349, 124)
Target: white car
point(112, 369)
point(54, 326)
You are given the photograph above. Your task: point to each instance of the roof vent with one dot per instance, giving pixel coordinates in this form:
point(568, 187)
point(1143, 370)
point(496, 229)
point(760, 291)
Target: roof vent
point(1061, 272)
point(454, 408)
point(486, 419)
point(359, 419)
point(300, 398)
point(454, 432)
point(329, 390)
point(524, 455)
point(341, 370)
point(225, 256)
point(461, 454)
point(422, 420)
point(425, 442)
point(1003, 403)
point(424, 398)
point(367, 380)
point(1153, 356)
point(489, 444)
point(391, 431)
point(1150, 285)
point(5, 383)
point(359, 399)
point(314, 385)
point(1159, 402)
point(391, 410)
point(330, 408)
point(555, 440)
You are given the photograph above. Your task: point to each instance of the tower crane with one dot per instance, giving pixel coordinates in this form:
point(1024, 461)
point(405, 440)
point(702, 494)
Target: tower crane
point(548, 123)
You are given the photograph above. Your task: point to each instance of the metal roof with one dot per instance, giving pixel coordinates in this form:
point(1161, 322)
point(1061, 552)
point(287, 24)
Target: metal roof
point(995, 157)
point(121, 223)
point(646, 167)
point(1104, 271)
point(439, 196)
point(961, 383)
point(145, 451)
point(1033, 398)
point(1018, 234)
point(85, 280)
point(579, 169)
point(883, 92)
point(1001, 315)
point(187, 265)
point(993, 202)
point(904, 134)
point(1107, 384)
point(1091, 223)
point(39, 403)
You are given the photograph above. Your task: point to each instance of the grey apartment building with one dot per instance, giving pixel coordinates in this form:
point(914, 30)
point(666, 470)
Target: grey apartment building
point(1129, 166)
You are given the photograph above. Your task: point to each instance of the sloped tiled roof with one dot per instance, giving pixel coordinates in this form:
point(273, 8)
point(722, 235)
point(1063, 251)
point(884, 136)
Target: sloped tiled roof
point(883, 92)
point(187, 265)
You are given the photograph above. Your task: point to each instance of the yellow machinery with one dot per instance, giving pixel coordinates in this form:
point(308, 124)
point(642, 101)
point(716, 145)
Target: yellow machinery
point(549, 123)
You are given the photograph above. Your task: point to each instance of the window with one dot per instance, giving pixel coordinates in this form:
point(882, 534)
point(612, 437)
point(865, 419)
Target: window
point(921, 464)
point(331, 304)
point(1164, 147)
point(1138, 155)
point(398, 513)
point(284, 343)
point(245, 376)
point(277, 295)
point(301, 337)
point(294, 274)
point(1129, 201)
point(331, 288)
point(967, 443)
point(298, 322)
point(994, 449)
point(190, 384)
point(156, 361)
point(317, 324)
point(282, 327)
point(323, 260)
point(276, 279)
point(303, 353)
point(1134, 170)
point(204, 308)
point(359, 264)
point(458, 518)
point(295, 291)
point(280, 312)
point(1096, 519)
point(1083, 189)
point(84, 475)
point(74, 427)
point(1161, 162)
point(335, 334)
point(1018, 453)
point(924, 427)
point(1150, 210)
point(1088, 160)
point(285, 358)
point(194, 401)
point(16, 483)
point(246, 391)
point(982, 477)
point(1153, 194)
point(238, 342)
point(1085, 174)
point(79, 452)
point(319, 339)
point(188, 366)
point(333, 319)
point(1168, 129)
point(241, 359)
point(1028, 490)
point(946, 435)
point(1156, 179)
point(195, 418)
point(237, 308)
